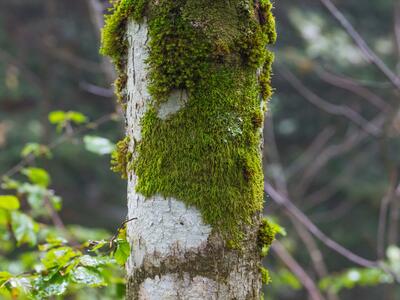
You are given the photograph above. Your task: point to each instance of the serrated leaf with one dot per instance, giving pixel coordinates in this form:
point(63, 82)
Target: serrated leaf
point(37, 176)
point(98, 145)
point(24, 228)
point(56, 285)
point(59, 257)
point(94, 261)
point(122, 252)
point(9, 202)
point(87, 276)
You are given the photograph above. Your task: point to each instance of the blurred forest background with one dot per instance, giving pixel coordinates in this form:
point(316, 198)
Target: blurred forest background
point(332, 137)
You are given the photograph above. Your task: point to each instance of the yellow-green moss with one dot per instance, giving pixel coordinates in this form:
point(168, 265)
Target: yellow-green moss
point(121, 157)
point(208, 153)
point(113, 41)
point(266, 235)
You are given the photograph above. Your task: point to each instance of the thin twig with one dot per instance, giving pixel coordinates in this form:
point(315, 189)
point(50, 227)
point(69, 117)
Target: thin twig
point(297, 270)
point(362, 45)
point(303, 219)
point(334, 109)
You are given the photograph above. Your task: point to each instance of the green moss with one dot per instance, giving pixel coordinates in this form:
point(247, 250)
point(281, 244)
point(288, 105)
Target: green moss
point(266, 279)
point(178, 55)
point(208, 153)
point(121, 157)
point(266, 235)
point(113, 40)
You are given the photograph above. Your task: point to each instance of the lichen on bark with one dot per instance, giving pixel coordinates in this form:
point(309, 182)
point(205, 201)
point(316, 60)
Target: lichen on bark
point(207, 154)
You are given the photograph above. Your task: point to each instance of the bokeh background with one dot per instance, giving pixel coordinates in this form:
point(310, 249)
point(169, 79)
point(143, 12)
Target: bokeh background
point(332, 147)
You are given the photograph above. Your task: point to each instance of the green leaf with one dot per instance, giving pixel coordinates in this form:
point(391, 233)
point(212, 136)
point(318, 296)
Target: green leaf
point(22, 284)
point(61, 118)
point(24, 228)
point(87, 276)
point(35, 150)
point(56, 201)
point(76, 117)
point(10, 184)
point(355, 277)
point(57, 117)
point(35, 195)
point(122, 252)
point(37, 176)
point(59, 257)
point(4, 276)
point(94, 261)
point(8, 202)
point(98, 145)
point(55, 285)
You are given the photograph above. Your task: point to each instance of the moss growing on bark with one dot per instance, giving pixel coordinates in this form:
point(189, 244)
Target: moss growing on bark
point(208, 153)
point(113, 41)
point(121, 157)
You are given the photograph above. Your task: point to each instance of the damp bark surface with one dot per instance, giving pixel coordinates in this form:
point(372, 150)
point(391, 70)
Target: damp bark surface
point(194, 78)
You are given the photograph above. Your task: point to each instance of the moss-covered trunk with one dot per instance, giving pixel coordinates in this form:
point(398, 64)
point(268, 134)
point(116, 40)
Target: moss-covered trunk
point(194, 78)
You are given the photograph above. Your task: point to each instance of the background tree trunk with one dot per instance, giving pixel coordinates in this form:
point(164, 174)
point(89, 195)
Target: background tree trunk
point(195, 75)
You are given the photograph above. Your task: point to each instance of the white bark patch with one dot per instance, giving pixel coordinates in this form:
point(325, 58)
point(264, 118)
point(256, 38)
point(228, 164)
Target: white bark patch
point(175, 102)
point(173, 286)
point(163, 226)
point(138, 94)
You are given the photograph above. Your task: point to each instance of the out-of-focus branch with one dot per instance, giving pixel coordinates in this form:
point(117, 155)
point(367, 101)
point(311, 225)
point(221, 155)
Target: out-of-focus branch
point(383, 213)
point(297, 270)
point(393, 232)
point(303, 219)
point(326, 156)
point(311, 152)
point(397, 25)
point(30, 76)
point(338, 110)
point(343, 177)
point(365, 49)
point(308, 240)
point(97, 90)
point(354, 87)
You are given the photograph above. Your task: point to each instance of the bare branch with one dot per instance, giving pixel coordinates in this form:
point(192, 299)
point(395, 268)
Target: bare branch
point(303, 219)
point(338, 110)
point(297, 270)
point(354, 87)
point(311, 152)
point(365, 49)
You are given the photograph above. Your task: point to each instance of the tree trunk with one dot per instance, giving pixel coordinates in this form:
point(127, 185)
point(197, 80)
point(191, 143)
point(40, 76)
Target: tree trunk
point(193, 77)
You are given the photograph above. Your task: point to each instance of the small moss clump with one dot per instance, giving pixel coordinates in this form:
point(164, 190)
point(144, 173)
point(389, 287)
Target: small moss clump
point(121, 157)
point(266, 278)
point(266, 235)
point(208, 153)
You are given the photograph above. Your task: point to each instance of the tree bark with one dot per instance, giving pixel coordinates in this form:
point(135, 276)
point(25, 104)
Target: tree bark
point(195, 75)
